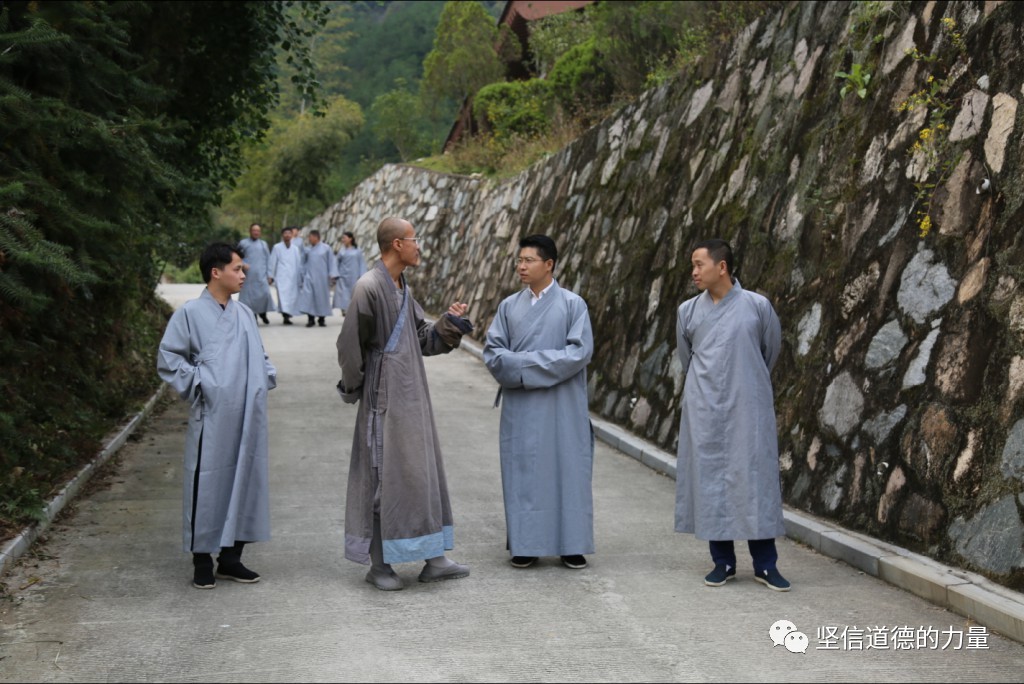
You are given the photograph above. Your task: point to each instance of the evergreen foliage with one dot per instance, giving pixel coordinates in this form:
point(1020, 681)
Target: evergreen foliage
point(516, 108)
point(121, 124)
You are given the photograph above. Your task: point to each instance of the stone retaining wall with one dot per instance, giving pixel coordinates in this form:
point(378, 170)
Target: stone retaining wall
point(899, 386)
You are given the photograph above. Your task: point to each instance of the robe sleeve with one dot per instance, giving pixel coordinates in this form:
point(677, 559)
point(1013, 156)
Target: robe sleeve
point(505, 365)
point(771, 335)
point(441, 336)
point(332, 264)
point(543, 368)
point(272, 267)
point(174, 360)
point(271, 372)
point(682, 341)
point(354, 341)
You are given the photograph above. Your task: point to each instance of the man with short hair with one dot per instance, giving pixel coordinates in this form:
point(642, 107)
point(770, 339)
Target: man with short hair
point(256, 293)
point(285, 272)
point(727, 474)
point(211, 354)
point(319, 273)
point(538, 348)
point(397, 509)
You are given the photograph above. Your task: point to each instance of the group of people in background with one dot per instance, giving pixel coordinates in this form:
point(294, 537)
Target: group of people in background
point(537, 349)
point(310, 279)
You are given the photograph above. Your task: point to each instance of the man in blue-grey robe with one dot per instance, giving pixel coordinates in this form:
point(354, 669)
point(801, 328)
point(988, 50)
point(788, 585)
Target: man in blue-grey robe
point(211, 354)
point(727, 470)
point(538, 348)
point(397, 509)
point(285, 273)
point(319, 273)
point(256, 292)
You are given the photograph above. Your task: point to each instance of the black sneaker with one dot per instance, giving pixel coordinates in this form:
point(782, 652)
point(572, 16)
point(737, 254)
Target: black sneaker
point(773, 580)
point(576, 562)
point(720, 575)
point(203, 578)
point(523, 561)
point(238, 573)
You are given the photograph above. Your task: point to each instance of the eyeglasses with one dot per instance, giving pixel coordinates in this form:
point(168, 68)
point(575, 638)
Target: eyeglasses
point(414, 239)
point(527, 260)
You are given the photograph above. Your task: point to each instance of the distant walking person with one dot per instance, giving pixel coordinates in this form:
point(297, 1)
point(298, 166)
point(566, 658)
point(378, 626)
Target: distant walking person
point(538, 348)
point(256, 293)
point(397, 508)
point(351, 265)
point(212, 355)
point(727, 481)
point(285, 272)
point(319, 273)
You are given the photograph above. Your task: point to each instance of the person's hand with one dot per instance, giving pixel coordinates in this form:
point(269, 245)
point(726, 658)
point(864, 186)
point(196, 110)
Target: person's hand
point(270, 281)
point(458, 309)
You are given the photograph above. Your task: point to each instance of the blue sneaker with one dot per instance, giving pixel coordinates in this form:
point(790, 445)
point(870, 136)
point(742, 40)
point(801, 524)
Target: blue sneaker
point(720, 575)
point(773, 580)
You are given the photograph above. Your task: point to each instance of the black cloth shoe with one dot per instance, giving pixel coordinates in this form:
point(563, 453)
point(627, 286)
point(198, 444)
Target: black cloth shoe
point(523, 561)
point(287, 319)
point(321, 322)
point(265, 319)
point(202, 577)
point(720, 575)
point(311, 322)
point(575, 562)
point(238, 573)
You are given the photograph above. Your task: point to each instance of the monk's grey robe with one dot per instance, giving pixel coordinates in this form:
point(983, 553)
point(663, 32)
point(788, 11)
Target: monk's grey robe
point(727, 472)
point(319, 269)
point(213, 357)
point(286, 270)
point(396, 465)
point(539, 356)
point(256, 291)
point(351, 265)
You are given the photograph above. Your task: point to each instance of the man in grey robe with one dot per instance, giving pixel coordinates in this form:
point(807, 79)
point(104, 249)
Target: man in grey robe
point(285, 272)
point(256, 293)
point(397, 509)
point(319, 273)
point(538, 348)
point(727, 471)
point(211, 354)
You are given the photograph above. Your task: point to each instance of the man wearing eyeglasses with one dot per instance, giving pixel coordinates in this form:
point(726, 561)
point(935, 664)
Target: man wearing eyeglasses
point(397, 509)
point(538, 348)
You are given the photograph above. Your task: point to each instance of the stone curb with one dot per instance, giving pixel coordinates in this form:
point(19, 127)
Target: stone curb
point(21, 543)
point(965, 593)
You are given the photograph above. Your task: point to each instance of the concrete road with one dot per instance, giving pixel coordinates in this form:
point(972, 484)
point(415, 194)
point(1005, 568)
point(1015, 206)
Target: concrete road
point(107, 595)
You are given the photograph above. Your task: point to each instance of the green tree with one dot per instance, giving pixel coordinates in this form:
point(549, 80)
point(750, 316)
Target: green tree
point(396, 117)
point(121, 124)
point(469, 53)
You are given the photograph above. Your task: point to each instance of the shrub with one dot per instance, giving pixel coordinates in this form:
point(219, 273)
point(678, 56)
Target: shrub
point(520, 108)
point(580, 81)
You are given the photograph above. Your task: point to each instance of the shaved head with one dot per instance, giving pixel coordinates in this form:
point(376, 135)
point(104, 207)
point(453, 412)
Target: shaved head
point(389, 230)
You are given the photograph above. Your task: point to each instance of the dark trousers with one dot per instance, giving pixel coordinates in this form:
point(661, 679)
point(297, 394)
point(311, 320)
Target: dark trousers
point(761, 550)
point(229, 555)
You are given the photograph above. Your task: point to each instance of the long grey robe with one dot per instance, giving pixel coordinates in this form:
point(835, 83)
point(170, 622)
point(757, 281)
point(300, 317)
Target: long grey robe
point(727, 472)
point(286, 270)
point(213, 357)
point(318, 269)
point(256, 291)
point(351, 265)
point(539, 356)
point(396, 465)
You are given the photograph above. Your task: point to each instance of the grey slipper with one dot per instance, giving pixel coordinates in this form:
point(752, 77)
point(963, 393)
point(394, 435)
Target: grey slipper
point(384, 580)
point(453, 571)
